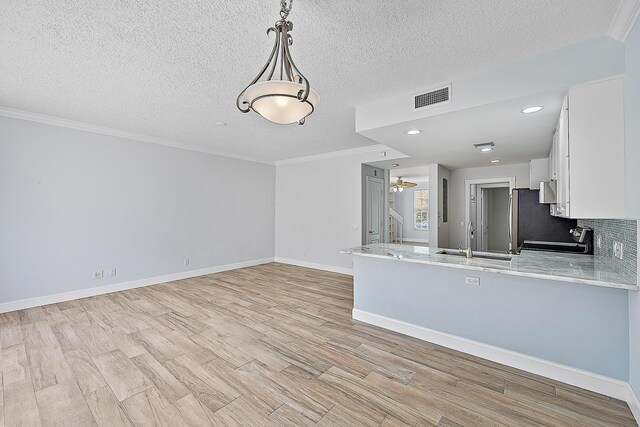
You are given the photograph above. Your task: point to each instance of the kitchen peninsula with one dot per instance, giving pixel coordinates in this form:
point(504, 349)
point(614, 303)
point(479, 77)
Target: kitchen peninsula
point(534, 309)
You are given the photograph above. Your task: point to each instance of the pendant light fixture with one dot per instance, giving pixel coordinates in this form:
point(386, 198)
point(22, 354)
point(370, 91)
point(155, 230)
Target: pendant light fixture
point(289, 98)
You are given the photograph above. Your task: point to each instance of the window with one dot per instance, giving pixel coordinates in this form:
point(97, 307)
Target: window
point(421, 209)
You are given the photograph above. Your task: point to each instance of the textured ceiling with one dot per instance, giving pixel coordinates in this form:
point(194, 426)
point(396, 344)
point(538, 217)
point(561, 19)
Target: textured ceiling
point(172, 69)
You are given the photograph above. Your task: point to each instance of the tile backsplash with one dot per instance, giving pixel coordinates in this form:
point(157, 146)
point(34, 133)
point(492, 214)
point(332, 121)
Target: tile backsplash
point(610, 230)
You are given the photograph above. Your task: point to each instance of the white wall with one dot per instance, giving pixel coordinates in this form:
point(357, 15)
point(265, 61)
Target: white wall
point(439, 230)
point(404, 206)
point(632, 154)
point(457, 233)
point(319, 209)
point(72, 202)
point(582, 62)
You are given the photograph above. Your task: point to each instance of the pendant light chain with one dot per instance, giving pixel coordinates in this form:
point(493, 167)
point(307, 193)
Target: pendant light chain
point(285, 9)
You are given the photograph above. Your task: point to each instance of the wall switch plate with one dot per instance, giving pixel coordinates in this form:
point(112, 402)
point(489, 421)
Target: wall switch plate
point(98, 274)
point(186, 261)
point(472, 280)
point(599, 241)
point(113, 272)
point(461, 223)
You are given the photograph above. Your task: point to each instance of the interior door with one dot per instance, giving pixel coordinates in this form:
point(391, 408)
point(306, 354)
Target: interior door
point(375, 209)
point(485, 203)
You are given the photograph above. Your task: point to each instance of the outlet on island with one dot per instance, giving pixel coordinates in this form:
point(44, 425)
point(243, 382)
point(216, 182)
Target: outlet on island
point(472, 280)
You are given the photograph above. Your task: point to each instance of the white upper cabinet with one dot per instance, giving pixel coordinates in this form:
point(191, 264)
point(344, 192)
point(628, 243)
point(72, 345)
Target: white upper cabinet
point(588, 152)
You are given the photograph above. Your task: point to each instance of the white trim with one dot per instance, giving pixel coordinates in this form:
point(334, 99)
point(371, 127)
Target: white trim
point(634, 403)
point(624, 19)
point(71, 124)
point(333, 154)
point(556, 371)
point(332, 268)
point(100, 290)
point(416, 240)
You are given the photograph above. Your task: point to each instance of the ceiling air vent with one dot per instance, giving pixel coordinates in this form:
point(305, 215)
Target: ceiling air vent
point(432, 98)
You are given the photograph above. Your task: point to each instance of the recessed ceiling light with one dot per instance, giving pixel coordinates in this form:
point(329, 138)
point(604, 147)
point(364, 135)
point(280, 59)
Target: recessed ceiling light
point(530, 110)
point(414, 132)
point(495, 161)
point(221, 123)
point(486, 149)
point(395, 165)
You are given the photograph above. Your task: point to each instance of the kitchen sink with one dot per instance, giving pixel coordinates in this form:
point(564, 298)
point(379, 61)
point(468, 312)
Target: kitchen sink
point(481, 255)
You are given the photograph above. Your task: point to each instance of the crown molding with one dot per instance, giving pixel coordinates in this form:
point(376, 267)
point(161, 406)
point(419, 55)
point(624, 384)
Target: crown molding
point(624, 19)
point(87, 127)
point(334, 154)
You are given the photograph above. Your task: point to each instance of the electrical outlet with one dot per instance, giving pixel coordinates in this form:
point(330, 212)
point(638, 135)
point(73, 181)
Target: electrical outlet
point(186, 261)
point(113, 272)
point(472, 280)
point(618, 249)
point(98, 274)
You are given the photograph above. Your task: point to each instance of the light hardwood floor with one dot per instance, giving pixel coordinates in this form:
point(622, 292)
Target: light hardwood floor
point(266, 345)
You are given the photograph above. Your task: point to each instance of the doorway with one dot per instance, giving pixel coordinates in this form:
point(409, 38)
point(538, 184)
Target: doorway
point(493, 221)
point(488, 214)
point(374, 208)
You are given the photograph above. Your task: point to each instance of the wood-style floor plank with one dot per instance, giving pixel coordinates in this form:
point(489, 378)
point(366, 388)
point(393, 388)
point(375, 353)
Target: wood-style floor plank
point(63, 404)
point(106, 409)
point(122, 375)
point(270, 345)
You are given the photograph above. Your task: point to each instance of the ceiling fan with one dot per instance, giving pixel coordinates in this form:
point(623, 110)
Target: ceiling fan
point(400, 185)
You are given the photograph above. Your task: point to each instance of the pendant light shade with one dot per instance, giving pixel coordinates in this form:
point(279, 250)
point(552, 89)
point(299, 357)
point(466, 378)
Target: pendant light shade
point(277, 101)
point(289, 98)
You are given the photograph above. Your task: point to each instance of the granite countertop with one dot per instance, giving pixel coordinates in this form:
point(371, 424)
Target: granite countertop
point(574, 268)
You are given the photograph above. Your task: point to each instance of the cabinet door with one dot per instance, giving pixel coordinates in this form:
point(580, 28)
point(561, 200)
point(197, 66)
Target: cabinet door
point(562, 162)
point(596, 150)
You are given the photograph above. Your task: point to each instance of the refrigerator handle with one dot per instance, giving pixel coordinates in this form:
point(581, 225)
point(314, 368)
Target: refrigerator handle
point(510, 209)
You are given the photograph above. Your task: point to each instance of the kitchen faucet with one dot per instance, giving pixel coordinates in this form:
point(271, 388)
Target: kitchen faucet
point(468, 252)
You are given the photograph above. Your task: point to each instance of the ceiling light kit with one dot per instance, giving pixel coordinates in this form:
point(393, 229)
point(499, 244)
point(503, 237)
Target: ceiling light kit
point(485, 147)
point(530, 110)
point(288, 99)
point(400, 185)
point(414, 132)
point(495, 161)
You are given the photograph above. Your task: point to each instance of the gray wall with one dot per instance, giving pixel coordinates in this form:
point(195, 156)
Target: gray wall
point(457, 232)
point(577, 325)
point(72, 202)
point(632, 153)
point(319, 209)
point(404, 205)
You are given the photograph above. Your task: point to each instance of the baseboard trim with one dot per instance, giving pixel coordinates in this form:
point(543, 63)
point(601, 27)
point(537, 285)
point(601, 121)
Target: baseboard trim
point(556, 371)
point(634, 403)
point(100, 290)
point(416, 240)
point(332, 268)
